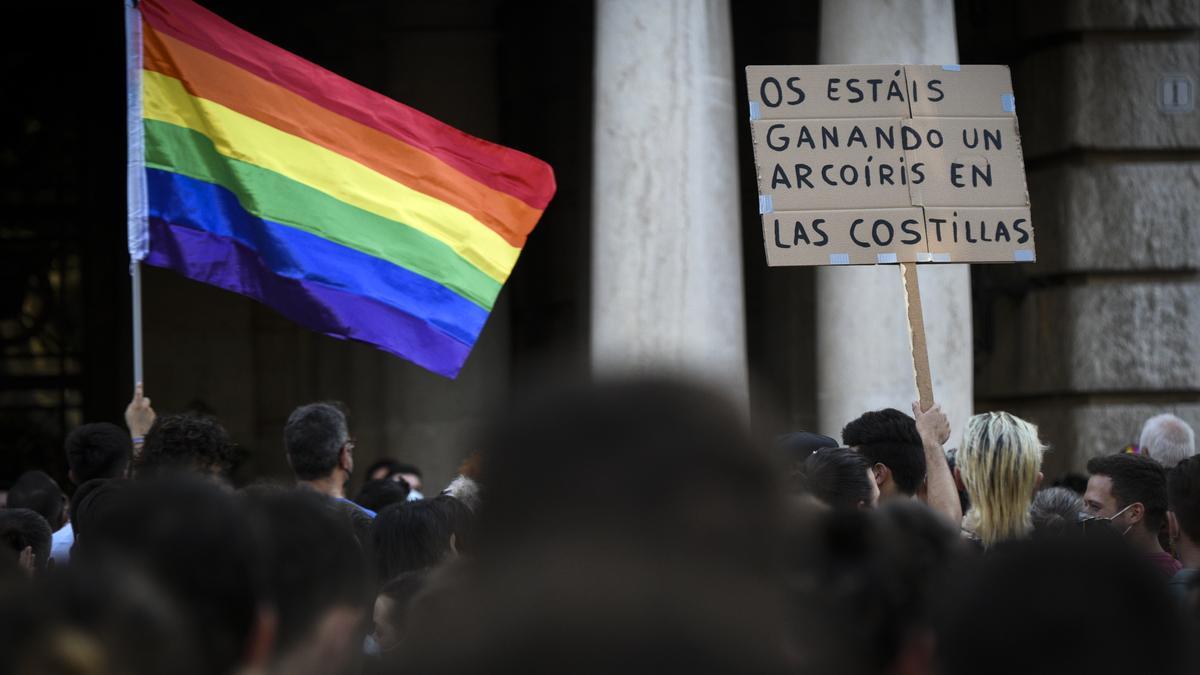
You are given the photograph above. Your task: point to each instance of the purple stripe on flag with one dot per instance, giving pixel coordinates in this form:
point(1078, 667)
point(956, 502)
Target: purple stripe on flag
point(222, 262)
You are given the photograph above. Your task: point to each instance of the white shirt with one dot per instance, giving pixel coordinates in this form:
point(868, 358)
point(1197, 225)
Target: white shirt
point(61, 543)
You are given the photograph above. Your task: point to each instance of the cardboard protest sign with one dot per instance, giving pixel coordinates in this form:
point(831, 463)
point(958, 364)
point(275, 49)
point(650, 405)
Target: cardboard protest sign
point(968, 161)
point(846, 237)
point(931, 154)
point(861, 162)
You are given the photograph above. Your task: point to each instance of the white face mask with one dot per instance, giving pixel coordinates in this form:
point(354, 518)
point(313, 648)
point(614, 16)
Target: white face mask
point(1111, 519)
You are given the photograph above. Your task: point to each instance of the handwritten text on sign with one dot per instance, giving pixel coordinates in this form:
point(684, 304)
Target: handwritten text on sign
point(883, 164)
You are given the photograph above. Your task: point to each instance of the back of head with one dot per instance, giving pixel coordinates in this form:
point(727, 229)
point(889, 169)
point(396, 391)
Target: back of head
point(89, 502)
point(37, 491)
point(1168, 439)
point(313, 436)
point(410, 536)
point(314, 561)
point(24, 528)
point(624, 523)
point(187, 442)
point(135, 626)
point(1041, 606)
point(796, 446)
point(194, 540)
point(377, 493)
point(999, 462)
point(1183, 496)
point(836, 476)
point(1135, 478)
point(385, 467)
point(864, 583)
point(559, 467)
point(890, 437)
point(1055, 510)
point(100, 450)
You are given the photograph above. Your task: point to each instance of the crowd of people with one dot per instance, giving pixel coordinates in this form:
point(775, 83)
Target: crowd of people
point(621, 526)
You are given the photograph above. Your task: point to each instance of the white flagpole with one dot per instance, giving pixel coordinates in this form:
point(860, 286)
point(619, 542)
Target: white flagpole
point(138, 229)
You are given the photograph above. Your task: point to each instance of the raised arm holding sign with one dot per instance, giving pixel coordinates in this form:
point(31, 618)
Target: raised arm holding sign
point(890, 164)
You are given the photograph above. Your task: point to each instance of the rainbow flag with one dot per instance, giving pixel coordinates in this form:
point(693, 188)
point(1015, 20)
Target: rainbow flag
point(349, 213)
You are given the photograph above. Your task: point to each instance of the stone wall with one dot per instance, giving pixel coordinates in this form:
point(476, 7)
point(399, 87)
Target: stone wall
point(1103, 331)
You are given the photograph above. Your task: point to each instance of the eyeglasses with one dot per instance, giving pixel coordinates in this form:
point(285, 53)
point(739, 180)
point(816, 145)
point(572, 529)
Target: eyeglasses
point(1096, 522)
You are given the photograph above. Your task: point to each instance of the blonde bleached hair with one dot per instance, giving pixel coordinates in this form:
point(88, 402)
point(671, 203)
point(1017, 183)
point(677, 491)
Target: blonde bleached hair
point(999, 461)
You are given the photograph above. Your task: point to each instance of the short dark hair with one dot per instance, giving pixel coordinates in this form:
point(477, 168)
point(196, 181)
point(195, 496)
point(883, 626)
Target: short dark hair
point(21, 528)
point(836, 476)
point(195, 540)
point(401, 592)
point(1135, 478)
point(188, 442)
point(1183, 496)
point(99, 450)
point(410, 536)
point(313, 559)
point(37, 491)
point(461, 518)
point(87, 499)
point(1044, 586)
point(381, 492)
point(401, 467)
point(693, 452)
point(890, 437)
point(313, 436)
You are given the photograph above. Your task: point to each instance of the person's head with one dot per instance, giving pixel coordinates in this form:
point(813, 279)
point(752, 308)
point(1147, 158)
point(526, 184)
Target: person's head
point(318, 443)
point(390, 614)
point(838, 477)
point(100, 450)
point(195, 540)
point(890, 442)
point(27, 535)
point(377, 493)
point(1070, 604)
point(796, 446)
point(1129, 489)
point(702, 486)
point(461, 519)
point(90, 501)
point(1055, 510)
point(864, 585)
point(383, 468)
point(1167, 439)
point(1073, 481)
point(581, 565)
point(410, 474)
point(1183, 500)
point(410, 536)
point(115, 615)
point(37, 491)
point(316, 579)
point(186, 443)
point(1000, 463)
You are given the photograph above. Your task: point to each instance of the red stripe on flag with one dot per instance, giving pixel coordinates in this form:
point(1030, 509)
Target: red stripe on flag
point(516, 173)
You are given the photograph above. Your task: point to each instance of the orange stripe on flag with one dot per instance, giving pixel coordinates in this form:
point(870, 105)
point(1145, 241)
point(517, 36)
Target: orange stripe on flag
point(209, 77)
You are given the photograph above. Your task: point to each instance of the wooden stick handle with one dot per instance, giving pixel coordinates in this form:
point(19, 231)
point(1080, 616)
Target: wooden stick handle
point(916, 331)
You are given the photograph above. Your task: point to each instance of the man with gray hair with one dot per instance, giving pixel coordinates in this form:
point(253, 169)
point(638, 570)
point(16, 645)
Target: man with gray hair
point(1167, 439)
point(320, 450)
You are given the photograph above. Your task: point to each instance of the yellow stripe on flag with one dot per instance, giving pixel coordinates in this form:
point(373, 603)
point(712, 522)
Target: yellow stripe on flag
point(240, 137)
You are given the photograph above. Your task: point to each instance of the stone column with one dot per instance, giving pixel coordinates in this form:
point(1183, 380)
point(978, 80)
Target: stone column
point(863, 357)
point(667, 262)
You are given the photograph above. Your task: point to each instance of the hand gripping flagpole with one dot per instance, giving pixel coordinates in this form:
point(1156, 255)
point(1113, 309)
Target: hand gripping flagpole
point(138, 229)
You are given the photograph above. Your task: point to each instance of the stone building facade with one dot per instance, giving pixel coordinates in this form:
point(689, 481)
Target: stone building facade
point(1104, 331)
point(650, 256)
